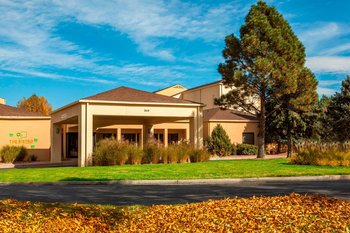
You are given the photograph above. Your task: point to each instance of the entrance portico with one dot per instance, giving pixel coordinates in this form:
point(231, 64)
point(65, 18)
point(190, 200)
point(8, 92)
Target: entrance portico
point(122, 106)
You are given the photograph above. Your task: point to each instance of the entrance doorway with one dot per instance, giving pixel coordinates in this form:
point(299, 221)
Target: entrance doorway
point(72, 145)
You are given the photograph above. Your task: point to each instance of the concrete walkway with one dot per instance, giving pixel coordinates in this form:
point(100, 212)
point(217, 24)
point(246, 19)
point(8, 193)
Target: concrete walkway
point(241, 157)
point(162, 193)
point(37, 164)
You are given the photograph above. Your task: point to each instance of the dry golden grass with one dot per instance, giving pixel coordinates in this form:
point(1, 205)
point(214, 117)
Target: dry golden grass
point(294, 213)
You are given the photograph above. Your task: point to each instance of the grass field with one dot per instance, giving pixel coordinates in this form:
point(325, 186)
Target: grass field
point(207, 170)
point(293, 213)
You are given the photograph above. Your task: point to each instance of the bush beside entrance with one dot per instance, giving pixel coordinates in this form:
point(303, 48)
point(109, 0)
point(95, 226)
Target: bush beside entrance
point(10, 154)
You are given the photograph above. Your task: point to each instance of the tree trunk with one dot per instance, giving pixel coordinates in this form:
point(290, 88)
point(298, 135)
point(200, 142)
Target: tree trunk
point(289, 136)
point(261, 135)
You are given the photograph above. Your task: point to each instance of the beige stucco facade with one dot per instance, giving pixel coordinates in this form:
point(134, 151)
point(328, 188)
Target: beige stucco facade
point(31, 132)
point(172, 90)
point(234, 129)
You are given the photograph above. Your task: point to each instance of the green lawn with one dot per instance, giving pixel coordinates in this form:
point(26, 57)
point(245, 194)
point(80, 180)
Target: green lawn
point(212, 169)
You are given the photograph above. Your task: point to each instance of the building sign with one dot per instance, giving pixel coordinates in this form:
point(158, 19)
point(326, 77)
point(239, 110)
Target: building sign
point(21, 138)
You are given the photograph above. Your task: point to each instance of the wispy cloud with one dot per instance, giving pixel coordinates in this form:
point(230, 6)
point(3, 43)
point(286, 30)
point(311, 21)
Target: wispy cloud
point(30, 44)
point(318, 37)
point(329, 64)
point(326, 91)
point(147, 22)
point(339, 49)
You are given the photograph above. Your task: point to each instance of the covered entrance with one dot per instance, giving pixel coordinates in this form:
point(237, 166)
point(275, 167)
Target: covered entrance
point(127, 114)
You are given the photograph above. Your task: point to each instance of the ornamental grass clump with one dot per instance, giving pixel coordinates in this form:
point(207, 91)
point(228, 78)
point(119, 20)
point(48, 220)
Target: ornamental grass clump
point(171, 153)
point(152, 152)
point(111, 152)
point(135, 154)
point(322, 154)
point(183, 152)
point(199, 155)
point(10, 154)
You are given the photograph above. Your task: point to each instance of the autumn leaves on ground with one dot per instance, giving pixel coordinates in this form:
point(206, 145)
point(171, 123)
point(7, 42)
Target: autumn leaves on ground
point(269, 214)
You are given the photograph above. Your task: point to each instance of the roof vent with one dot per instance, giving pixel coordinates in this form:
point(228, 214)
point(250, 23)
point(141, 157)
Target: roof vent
point(2, 101)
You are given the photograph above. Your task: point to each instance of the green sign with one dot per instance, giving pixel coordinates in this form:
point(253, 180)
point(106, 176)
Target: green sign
point(11, 135)
point(32, 146)
point(36, 139)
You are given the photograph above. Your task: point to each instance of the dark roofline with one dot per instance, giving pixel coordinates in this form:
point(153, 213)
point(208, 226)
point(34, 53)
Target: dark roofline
point(8, 112)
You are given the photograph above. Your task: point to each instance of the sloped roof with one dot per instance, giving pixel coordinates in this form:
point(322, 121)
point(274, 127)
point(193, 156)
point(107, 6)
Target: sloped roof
point(204, 85)
point(172, 86)
point(127, 94)
point(9, 111)
point(231, 115)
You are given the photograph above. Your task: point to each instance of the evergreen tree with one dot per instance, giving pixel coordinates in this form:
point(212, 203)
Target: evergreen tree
point(219, 142)
point(291, 114)
point(35, 104)
point(338, 112)
point(263, 64)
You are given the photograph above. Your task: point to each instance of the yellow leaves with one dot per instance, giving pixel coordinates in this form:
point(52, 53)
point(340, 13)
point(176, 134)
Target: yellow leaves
point(294, 213)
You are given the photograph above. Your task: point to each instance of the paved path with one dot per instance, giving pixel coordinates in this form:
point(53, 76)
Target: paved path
point(123, 194)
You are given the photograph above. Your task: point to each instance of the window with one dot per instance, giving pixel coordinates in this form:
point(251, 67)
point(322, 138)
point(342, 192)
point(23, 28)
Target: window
point(248, 138)
point(109, 135)
point(159, 137)
point(131, 137)
point(173, 137)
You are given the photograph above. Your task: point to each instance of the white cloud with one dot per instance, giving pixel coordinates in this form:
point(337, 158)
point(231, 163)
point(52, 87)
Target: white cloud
point(329, 64)
point(148, 22)
point(336, 50)
point(325, 91)
point(29, 42)
point(318, 36)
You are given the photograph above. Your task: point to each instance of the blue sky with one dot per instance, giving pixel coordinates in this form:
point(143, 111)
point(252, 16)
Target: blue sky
point(66, 50)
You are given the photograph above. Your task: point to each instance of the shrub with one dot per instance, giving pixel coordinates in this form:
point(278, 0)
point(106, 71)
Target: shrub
point(10, 154)
point(219, 143)
point(171, 154)
point(152, 152)
point(183, 152)
point(246, 149)
point(198, 155)
point(135, 154)
point(111, 152)
point(33, 158)
point(323, 154)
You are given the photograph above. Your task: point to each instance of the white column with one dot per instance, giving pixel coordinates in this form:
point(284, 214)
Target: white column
point(119, 134)
point(200, 127)
point(56, 143)
point(82, 136)
point(166, 137)
point(193, 129)
point(64, 141)
point(89, 136)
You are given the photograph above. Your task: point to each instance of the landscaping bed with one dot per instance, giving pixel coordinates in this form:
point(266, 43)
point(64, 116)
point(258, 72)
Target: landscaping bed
point(293, 213)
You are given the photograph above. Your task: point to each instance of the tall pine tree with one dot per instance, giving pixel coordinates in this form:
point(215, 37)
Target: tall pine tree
point(338, 112)
point(291, 114)
point(264, 63)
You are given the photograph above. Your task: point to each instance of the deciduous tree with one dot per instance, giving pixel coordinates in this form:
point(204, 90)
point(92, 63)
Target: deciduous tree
point(35, 104)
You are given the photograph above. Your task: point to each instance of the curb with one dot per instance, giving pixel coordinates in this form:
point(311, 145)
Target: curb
point(189, 182)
